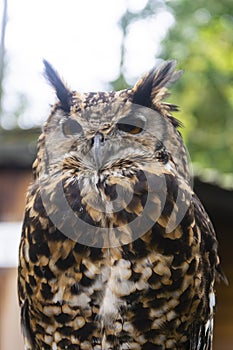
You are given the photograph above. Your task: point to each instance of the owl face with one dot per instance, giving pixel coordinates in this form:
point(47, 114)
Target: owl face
point(109, 137)
point(101, 153)
point(103, 130)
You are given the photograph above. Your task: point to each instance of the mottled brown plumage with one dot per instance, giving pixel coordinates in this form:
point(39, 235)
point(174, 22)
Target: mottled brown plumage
point(117, 252)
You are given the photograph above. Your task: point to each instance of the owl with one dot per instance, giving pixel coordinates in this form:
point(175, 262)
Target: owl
point(116, 252)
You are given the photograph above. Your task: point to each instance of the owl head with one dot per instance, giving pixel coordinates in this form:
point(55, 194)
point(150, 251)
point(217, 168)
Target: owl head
point(98, 148)
point(103, 127)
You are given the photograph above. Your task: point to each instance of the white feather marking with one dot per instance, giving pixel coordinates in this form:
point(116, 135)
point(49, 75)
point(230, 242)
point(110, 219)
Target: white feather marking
point(26, 252)
point(58, 297)
point(212, 300)
point(209, 326)
point(169, 167)
point(108, 308)
point(117, 285)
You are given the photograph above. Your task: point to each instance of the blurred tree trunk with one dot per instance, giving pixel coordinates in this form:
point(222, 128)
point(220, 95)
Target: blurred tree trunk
point(2, 49)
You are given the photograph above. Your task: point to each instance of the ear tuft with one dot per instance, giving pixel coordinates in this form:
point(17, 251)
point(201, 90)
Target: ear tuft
point(152, 88)
point(142, 90)
point(63, 93)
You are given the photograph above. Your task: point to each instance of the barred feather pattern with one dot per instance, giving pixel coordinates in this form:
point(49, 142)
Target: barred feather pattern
point(101, 285)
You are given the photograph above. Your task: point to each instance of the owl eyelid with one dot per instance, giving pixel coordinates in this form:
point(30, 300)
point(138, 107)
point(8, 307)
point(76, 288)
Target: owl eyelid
point(71, 127)
point(131, 129)
point(131, 124)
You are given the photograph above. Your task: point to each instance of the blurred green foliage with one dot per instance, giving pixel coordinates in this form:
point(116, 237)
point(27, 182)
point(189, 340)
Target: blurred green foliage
point(202, 42)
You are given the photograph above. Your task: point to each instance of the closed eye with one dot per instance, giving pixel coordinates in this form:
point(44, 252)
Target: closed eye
point(71, 127)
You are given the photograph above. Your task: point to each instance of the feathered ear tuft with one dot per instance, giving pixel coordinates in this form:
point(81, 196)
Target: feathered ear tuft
point(63, 93)
point(152, 88)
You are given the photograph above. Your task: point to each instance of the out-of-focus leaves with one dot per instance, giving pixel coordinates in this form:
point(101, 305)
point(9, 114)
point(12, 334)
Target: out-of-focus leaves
point(202, 42)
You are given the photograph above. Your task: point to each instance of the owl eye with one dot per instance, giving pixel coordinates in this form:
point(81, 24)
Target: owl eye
point(131, 126)
point(71, 127)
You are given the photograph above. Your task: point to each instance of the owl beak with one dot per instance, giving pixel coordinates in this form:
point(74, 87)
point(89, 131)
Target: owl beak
point(98, 143)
